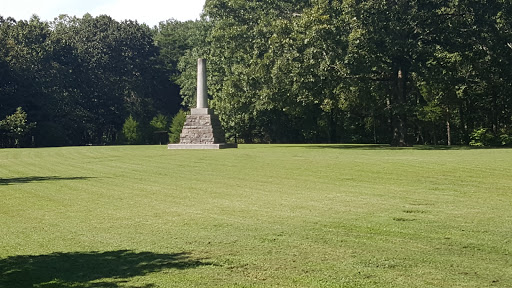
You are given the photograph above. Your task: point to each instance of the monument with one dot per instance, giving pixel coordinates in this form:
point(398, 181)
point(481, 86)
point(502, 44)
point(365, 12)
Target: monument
point(202, 129)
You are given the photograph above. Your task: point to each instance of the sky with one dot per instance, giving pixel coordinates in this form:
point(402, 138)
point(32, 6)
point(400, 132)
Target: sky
point(150, 12)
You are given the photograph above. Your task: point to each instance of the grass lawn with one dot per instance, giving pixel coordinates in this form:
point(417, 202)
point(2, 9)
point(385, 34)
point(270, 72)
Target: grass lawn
point(257, 216)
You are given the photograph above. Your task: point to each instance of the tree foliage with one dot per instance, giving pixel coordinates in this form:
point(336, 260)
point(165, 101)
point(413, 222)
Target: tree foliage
point(177, 123)
point(14, 128)
point(80, 78)
point(365, 71)
point(401, 72)
point(131, 131)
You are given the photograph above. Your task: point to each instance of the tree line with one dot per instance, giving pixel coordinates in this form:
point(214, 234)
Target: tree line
point(89, 80)
point(400, 72)
point(316, 71)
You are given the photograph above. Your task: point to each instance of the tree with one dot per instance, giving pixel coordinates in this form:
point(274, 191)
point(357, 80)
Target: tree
point(196, 33)
point(401, 72)
point(23, 65)
point(177, 126)
point(159, 126)
point(388, 43)
point(247, 81)
point(15, 127)
point(396, 71)
point(131, 131)
point(106, 70)
point(485, 47)
point(79, 78)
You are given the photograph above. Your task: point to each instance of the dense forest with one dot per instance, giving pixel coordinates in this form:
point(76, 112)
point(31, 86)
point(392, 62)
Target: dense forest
point(318, 71)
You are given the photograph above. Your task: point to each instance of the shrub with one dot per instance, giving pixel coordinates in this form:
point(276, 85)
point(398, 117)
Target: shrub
point(159, 126)
point(15, 128)
point(505, 137)
point(131, 131)
point(483, 137)
point(159, 123)
point(176, 126)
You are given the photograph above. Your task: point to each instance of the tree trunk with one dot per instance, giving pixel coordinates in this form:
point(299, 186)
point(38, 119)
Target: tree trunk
point(434, 134)
point(374, 128)
point(448, 129)
point(331, 129)
point(463, 124)
point(398, 109)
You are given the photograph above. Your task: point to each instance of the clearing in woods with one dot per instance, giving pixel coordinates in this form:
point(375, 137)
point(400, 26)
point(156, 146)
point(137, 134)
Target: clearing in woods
point(257, 216)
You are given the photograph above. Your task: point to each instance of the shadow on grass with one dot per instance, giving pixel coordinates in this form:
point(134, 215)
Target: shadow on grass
point(384, 147)
point(24, 180)
point(88, 269)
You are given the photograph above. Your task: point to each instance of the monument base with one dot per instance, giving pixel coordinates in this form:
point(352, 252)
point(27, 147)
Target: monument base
point(202, 146)
point(201, 111)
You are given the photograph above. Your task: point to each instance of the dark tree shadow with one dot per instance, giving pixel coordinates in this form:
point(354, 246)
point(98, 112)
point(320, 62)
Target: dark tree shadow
point(385, 147)
point(24, 180)
point(88, 269)
point(351, 146)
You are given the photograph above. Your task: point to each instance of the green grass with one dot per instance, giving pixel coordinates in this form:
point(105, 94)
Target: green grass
point(257, 216)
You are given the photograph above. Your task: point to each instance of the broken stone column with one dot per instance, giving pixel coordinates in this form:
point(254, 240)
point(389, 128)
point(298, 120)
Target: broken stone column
point(202, 90)
point(202, 129)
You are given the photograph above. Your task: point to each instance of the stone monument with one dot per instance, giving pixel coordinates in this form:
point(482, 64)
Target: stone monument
point(202, 129)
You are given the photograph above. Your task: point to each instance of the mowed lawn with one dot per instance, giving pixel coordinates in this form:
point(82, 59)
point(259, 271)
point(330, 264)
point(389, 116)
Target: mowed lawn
point(257, 216)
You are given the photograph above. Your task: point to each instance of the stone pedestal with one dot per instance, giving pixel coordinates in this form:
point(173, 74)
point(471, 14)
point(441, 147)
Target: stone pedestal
point(202, 129)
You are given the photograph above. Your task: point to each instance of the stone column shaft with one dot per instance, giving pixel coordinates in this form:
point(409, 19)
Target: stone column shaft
point(202, 91)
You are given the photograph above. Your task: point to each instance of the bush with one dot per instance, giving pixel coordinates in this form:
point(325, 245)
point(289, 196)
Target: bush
point(159, 123)
point(131, 131)
point(176, 126)
point(505, 137)
point(483, 137)
point(14, 129)
point(159, 127)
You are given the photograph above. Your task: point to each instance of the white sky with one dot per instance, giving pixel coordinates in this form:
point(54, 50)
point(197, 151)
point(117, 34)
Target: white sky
point(150, 12)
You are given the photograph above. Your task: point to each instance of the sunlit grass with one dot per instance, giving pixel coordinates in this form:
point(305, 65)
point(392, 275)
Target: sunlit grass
point(257, 216)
